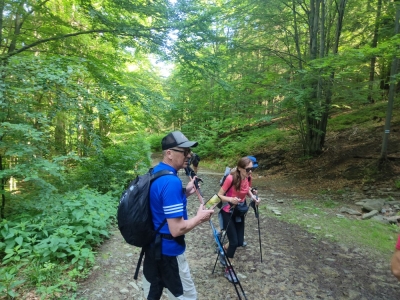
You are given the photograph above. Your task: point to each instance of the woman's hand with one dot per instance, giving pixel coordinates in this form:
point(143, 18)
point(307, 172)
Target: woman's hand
point(256, 199)
point(234, 200)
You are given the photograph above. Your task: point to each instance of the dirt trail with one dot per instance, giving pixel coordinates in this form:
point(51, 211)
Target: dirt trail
point(294, 264)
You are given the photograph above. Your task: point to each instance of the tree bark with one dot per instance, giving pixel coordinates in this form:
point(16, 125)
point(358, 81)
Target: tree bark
point(392, 92)
point(373, 59)
point(296, 35)
point(316, 124)
point(60, 135)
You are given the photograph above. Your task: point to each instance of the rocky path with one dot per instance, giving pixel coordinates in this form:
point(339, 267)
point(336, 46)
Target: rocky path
point(294, 264)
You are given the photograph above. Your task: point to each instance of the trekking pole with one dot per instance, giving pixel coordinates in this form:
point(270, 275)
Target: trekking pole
point(255, 207)
point(219, 241)
point(259, 234)
point(191, 174)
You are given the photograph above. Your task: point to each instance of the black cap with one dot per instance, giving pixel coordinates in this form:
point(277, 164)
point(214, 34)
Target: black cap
point(176, 139)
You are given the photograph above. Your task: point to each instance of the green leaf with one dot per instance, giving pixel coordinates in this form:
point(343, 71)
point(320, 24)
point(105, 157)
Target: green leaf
point(19, 240)
point(89, 229)
point(78, 214)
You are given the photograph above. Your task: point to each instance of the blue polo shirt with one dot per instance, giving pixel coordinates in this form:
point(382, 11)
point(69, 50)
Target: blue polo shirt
point(167, 200)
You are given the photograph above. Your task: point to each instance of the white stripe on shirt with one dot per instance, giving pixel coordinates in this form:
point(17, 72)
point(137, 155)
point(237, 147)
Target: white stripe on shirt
point(171, 209)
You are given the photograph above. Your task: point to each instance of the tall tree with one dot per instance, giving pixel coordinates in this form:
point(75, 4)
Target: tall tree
point(373, 58)
point(392, 89)
point(64, 78)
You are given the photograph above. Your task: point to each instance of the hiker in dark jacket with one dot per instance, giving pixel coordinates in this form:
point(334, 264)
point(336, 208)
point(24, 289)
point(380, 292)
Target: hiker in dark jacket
point(194, 160)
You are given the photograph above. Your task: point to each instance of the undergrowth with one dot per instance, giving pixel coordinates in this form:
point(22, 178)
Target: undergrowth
point(48, 248)
point(320, 218)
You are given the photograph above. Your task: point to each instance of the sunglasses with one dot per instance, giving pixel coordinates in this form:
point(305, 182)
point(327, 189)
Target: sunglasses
point(185, 152)
point(249, 169)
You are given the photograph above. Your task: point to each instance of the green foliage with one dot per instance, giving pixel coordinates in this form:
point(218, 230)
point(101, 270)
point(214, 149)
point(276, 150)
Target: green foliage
point(397, 184)
point(64, 88)
point(25, 142)
point(233, 146)
point(70, 111)
point(155, 142)
point(367, 234)
point(329, 203)
point(9, 281)
point(116, 166)
point(59, 234)
point(365, 116)
point(239, 76)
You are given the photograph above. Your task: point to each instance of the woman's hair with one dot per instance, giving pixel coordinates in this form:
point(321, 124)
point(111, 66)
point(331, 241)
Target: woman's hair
point(237, 179)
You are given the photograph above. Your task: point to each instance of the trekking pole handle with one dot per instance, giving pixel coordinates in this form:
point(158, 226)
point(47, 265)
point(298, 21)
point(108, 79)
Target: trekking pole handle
point(190, 173)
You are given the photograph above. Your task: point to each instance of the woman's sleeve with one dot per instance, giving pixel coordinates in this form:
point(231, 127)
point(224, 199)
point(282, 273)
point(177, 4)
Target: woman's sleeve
point(398, 243)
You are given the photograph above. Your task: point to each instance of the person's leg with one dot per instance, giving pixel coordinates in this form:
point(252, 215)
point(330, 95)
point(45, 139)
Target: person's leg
point(231, 234)
point(240, 232)
point(221, 224)
point(145, 286)
point(151, 281)
point(230, 249)
point(177, 278)
point(231, 245)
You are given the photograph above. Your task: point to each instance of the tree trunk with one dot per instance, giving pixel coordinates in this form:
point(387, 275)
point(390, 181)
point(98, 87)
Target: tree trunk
point(296, 35)
point(373, 59)
point(316, 124)
point(392, 92)
point(59, 135)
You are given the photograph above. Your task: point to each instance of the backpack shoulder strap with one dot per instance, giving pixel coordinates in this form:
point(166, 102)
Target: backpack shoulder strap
point(229, 188)
point(155, 175)
point(248, 179)
point(161, 173)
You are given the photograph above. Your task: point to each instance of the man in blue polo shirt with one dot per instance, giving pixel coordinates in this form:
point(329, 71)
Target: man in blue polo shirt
point(165, 264)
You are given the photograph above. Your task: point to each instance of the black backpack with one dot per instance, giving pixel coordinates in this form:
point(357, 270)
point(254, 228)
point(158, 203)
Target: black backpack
point(134, 215)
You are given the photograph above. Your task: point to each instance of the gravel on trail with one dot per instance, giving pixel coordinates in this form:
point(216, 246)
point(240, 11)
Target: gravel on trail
point(295, 264)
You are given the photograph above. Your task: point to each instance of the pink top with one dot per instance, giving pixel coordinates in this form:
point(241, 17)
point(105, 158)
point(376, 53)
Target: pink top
point(398, 243)
point(244, 189)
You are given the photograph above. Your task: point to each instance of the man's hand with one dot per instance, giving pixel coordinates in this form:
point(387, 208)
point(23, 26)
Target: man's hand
point(190, 187)
point(179, 226)
point(204, 214)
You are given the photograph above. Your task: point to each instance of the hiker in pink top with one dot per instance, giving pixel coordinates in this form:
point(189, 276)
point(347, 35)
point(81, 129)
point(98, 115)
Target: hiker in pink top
point(395, 262)
point(233, 195)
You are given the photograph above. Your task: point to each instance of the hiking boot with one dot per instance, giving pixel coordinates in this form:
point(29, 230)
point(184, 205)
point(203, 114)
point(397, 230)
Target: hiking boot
point(222, 260)
point(230, 275)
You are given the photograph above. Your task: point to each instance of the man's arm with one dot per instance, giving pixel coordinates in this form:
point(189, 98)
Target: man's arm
point(180, 226)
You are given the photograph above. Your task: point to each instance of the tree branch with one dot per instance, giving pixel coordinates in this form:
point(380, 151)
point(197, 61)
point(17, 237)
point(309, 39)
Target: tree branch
point(55, 38)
